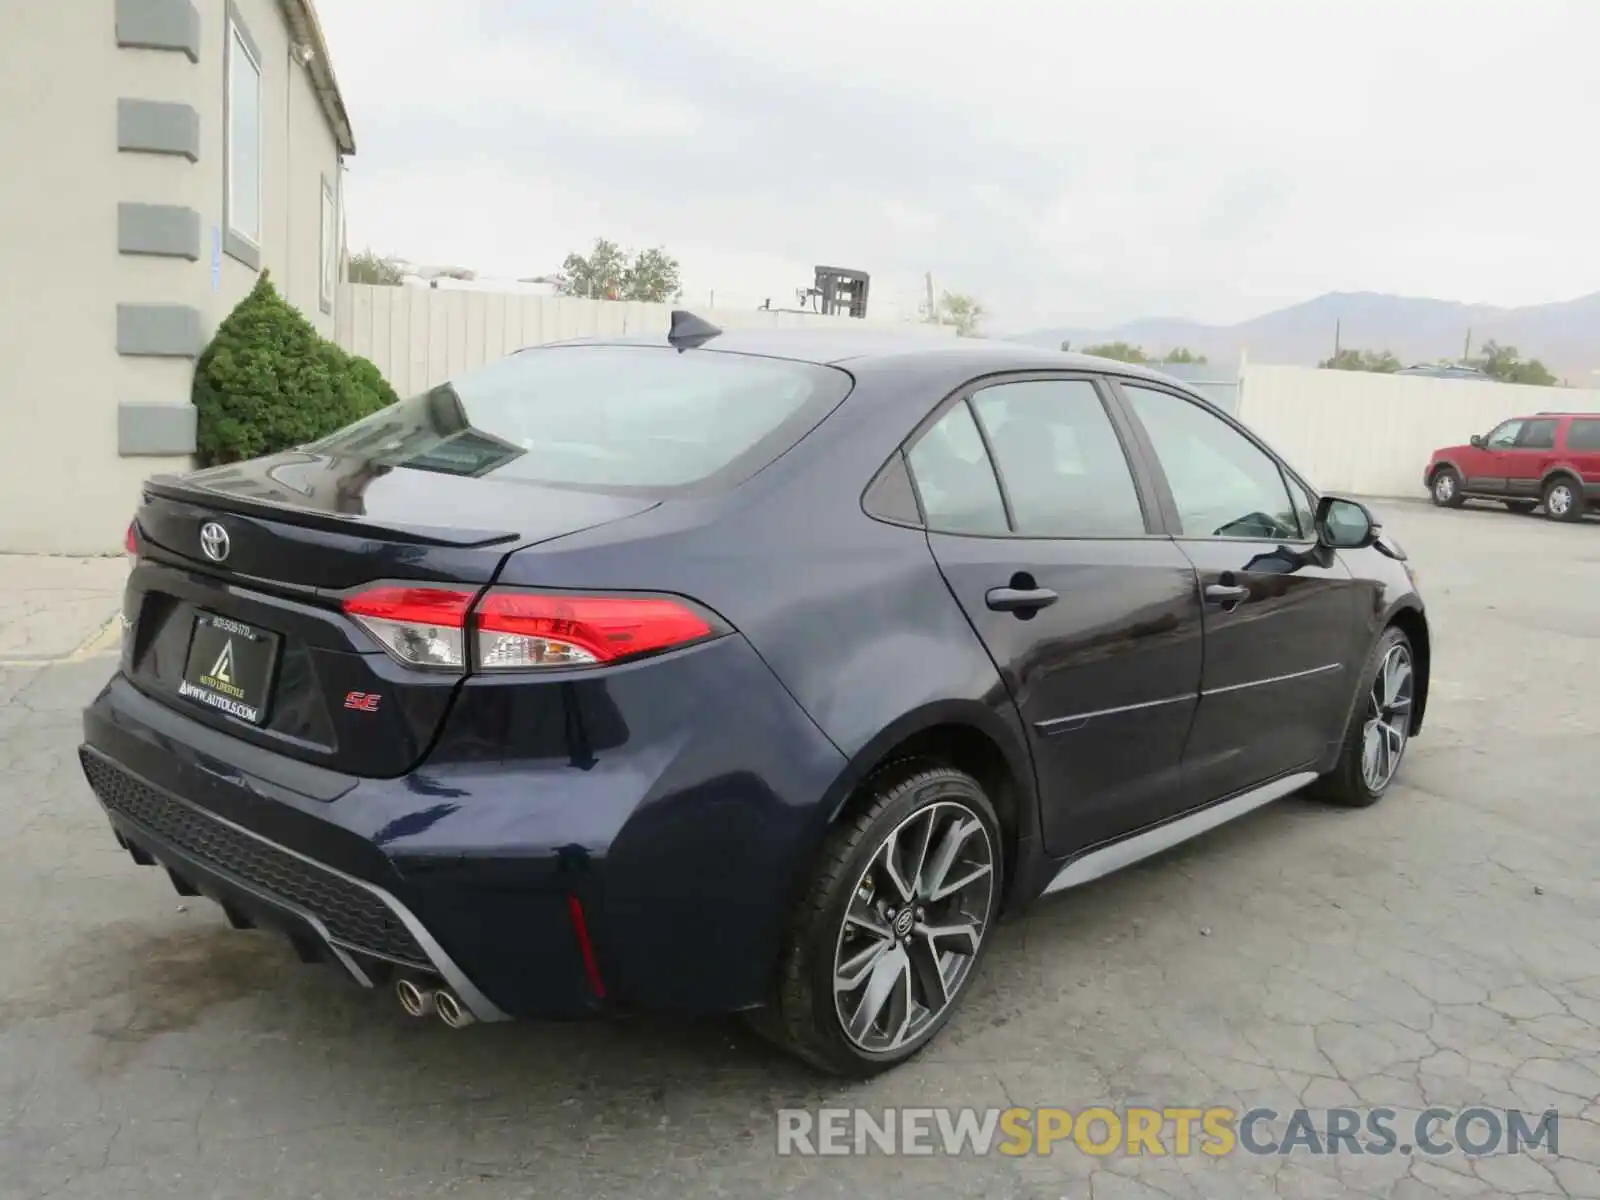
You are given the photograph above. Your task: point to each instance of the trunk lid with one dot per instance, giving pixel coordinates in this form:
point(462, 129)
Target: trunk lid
point(244, 629)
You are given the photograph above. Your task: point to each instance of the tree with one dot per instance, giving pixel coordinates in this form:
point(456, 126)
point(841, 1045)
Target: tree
point(1503, 363)
point(653, 276)
point(269, 382)
point(368, 267)
point(1121, 351)
point(1381, 363)
point(606, 273)
point(962, 311)
point(1182, 354)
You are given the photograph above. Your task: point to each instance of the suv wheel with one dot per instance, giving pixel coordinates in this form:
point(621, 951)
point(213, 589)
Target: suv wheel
point(1563, 501)
point(890, 933)
point(1380, 726)
point(1446, 488)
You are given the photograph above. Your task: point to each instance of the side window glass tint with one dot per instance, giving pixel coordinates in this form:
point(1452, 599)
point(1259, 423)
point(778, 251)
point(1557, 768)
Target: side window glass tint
point(1583, 435)
point(890, 496)
point(955, 479)
point(1224, 485)
point(1063, 466)
point(1537, 435)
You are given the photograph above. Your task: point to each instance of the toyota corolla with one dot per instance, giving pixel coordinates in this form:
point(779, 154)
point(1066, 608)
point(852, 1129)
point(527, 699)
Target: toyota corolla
point(736, 672)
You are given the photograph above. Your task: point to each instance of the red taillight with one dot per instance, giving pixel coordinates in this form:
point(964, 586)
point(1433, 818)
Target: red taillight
point(130, 543)
point(421, 626)
point(517, 630)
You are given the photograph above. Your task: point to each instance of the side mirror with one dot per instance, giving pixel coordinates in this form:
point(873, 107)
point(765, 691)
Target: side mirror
point(1477, 440)
point(1346, 524)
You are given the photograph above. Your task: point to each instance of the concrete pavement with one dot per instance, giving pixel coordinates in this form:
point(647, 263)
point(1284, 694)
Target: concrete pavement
point(1442, 948)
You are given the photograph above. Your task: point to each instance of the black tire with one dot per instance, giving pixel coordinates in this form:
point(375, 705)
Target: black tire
point(802, 1017)
point(1563, 498)
point(1522, 506)
point(1347, 783)
point(1445, 488)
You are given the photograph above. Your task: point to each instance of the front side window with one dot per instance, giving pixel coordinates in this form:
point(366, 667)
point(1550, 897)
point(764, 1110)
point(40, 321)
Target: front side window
point(1059, 457)
point(330, 246)
point(637, 419)
point(1223, 484)
point(244, 139)
point(1504, 435)
point(955, 479)
point(1537, 435)
point(1305, 509)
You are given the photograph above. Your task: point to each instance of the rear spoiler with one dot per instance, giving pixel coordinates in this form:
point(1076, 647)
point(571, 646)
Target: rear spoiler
point(168, 487)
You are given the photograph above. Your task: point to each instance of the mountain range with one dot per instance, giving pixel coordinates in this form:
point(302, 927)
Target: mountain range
point(1564, 336)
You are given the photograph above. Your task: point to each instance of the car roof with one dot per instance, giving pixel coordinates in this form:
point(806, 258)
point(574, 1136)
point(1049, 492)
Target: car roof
point(838, 346)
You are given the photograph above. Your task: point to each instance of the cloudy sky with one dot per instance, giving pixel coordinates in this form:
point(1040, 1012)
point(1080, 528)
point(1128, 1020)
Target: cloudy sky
point(1066, 161)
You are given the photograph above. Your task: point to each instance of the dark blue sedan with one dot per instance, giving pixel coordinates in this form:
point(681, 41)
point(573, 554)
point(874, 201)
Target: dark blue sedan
point(724, 672)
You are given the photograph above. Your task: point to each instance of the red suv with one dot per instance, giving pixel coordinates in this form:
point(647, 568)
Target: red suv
point(1551, 459)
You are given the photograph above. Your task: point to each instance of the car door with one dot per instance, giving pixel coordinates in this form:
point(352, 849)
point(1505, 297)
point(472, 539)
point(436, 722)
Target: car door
point(1279, 610)
point(1035, 513)
point(1486, 469)
point(1582, 451)
point(1530, 456)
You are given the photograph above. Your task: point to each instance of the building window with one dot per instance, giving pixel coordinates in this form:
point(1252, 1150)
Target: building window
point(244, 147)
point(330, 246)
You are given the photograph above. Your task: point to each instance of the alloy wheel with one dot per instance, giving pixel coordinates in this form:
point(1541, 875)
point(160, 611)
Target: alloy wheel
point(1388, 719)
point(1558, 501)
point(1445, 486)
point(911, 932)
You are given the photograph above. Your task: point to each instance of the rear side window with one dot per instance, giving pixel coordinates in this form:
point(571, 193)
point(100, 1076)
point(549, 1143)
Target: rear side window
point(611, 418)
point(1060, 459)
point(1583, 435)
point(1537, 435)
point(954, 477)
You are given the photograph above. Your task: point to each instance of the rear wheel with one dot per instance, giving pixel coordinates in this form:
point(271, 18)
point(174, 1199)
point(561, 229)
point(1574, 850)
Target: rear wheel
point(1380, 727)
point(1563, 501)
point(890, 933)
point(1446, 488)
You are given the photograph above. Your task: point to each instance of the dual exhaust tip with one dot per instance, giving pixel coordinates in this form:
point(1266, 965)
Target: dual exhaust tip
point(419, 1000)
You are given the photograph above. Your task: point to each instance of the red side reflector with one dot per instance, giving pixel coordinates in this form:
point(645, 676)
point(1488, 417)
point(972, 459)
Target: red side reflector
point(130, 543)
point(591, 965)
point(606, 628)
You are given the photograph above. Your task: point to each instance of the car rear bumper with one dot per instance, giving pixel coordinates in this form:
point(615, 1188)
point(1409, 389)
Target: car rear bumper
point(656, 873)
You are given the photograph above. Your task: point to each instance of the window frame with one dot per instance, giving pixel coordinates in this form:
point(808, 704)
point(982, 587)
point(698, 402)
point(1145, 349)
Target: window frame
point(328, 247)
point(1168, 505)
point(1138, 469)
point(241, 244)
point(1488, 438)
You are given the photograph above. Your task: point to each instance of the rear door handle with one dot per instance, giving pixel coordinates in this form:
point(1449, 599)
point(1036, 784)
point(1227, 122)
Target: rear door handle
point(1226, 593)
point(1007, 599)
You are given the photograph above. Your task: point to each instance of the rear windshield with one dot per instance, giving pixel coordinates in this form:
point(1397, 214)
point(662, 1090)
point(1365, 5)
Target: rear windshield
point(630, 418)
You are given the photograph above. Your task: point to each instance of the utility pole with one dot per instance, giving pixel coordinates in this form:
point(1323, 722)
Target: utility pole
point(1338, 329)
point(933, 314)
point(1466, 352)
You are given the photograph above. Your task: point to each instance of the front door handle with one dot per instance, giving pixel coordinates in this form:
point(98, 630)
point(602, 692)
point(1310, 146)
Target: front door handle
point(1226, 593)
point(1009, 599)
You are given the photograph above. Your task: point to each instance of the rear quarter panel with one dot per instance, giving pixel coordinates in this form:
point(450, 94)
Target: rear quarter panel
point(850, 613)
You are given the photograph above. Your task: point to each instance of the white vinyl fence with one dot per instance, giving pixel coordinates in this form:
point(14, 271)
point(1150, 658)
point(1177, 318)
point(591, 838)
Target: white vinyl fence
point(1372, 435)
point(419, 337)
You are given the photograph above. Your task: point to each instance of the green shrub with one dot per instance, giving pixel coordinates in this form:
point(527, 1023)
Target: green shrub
point(269, 381)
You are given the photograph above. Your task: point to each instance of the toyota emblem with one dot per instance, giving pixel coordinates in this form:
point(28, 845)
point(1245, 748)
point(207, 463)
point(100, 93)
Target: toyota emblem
point(214, 541)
